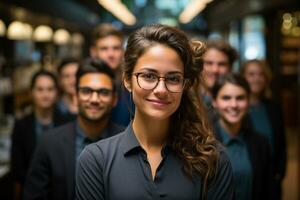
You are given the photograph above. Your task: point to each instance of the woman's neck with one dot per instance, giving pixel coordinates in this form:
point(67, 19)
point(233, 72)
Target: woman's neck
point(44, 116)
point(149, 132)
point(232, 129)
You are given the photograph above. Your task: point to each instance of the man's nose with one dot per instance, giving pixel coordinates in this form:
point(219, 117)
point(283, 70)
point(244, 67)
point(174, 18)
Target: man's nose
point(94, 97)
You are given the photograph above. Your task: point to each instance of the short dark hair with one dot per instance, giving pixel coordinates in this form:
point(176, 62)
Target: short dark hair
point(92, 65)
point(43, 73)
point(65, 62)
point(224, 47)
point(104, 30)
point(233, 78)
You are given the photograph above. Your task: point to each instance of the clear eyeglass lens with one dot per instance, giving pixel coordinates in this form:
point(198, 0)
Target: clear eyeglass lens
point(148, 81)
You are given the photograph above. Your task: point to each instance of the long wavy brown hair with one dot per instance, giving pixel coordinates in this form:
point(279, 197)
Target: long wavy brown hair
point(191, 135)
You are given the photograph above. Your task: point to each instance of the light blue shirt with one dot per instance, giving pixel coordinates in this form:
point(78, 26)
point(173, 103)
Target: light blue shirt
point(242, 169)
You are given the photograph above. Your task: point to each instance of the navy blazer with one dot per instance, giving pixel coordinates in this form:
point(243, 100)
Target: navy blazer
point(260, 158)
point(275, 115)
point(52, 171)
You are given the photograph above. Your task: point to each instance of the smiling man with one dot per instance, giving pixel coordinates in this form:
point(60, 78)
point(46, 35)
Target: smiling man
point(107, 45)
point(52, 171)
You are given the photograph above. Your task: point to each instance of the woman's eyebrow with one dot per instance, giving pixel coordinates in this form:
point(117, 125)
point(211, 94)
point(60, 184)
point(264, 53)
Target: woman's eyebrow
point(148, 69)
point(155, 71)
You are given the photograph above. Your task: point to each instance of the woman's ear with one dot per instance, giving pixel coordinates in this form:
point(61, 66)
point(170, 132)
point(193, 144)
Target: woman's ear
point(127, 83)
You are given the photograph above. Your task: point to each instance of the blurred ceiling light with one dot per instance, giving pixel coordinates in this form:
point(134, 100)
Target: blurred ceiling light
point(2, 28)
point(119, 10)
point(287, 17)
point(77, 39)
point(192, 9)
point(61, 36)
point(27, 31)
point(19, 31)
point(42, 33)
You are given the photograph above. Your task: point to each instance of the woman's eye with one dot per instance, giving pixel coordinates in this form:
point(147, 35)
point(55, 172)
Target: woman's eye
point(149, 76)
point(174, 79)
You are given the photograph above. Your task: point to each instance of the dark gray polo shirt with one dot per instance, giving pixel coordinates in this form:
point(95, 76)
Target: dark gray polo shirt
point(117, 169)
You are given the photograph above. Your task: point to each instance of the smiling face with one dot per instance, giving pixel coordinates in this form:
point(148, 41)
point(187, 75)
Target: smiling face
point(232, 104)
point(256, 78)
point(215, 63)
point(158, 103)
point(95, 106)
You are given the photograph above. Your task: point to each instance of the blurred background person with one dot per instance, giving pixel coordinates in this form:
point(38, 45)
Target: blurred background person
point(107, 45)
point(67, 104)
point(266, 118)
point(248, 151)
point(217, 60)
point(52, 171)
point(28, 130)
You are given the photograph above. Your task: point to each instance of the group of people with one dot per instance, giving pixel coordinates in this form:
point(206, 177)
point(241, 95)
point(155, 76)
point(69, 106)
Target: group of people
point(164, 119)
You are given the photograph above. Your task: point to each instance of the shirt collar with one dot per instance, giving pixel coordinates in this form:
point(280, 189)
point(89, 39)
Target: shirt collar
point(227, 139)
point(80, 134)
point(130, 142)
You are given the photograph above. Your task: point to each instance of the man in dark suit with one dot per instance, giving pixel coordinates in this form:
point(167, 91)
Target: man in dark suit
point(52, 171)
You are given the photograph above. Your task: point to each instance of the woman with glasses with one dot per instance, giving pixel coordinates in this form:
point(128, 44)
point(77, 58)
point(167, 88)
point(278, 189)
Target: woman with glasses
point(168, 151)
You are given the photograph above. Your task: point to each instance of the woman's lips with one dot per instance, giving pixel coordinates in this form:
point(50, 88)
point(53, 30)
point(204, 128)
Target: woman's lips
point(158, 102)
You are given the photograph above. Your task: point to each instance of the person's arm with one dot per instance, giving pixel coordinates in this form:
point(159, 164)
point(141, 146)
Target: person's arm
point(282, 146)
point(267, 169)
point(38, 177)
point(17, 160)
point(222, 186)
point(89, 175)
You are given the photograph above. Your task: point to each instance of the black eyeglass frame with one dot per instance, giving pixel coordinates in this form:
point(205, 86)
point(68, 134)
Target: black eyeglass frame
point(104, 92)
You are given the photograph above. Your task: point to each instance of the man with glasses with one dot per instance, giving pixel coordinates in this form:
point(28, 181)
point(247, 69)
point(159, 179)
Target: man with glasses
point(52, 171)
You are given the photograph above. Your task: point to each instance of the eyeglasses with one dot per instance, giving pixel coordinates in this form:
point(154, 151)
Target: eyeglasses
point(149, 80)
point(85, 93)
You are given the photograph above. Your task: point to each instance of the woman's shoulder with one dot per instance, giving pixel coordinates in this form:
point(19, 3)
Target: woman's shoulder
point(222, 186)
point(107, 144)
point(223, 157)
point(99, 153)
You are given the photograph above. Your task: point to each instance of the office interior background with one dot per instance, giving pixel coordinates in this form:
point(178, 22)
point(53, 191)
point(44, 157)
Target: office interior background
point(39, 34)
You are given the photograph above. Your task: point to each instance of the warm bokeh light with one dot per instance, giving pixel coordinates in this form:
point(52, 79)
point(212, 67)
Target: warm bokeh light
point(19, 31)
point(2, 28)
point(43, 33)
point(61, 36)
